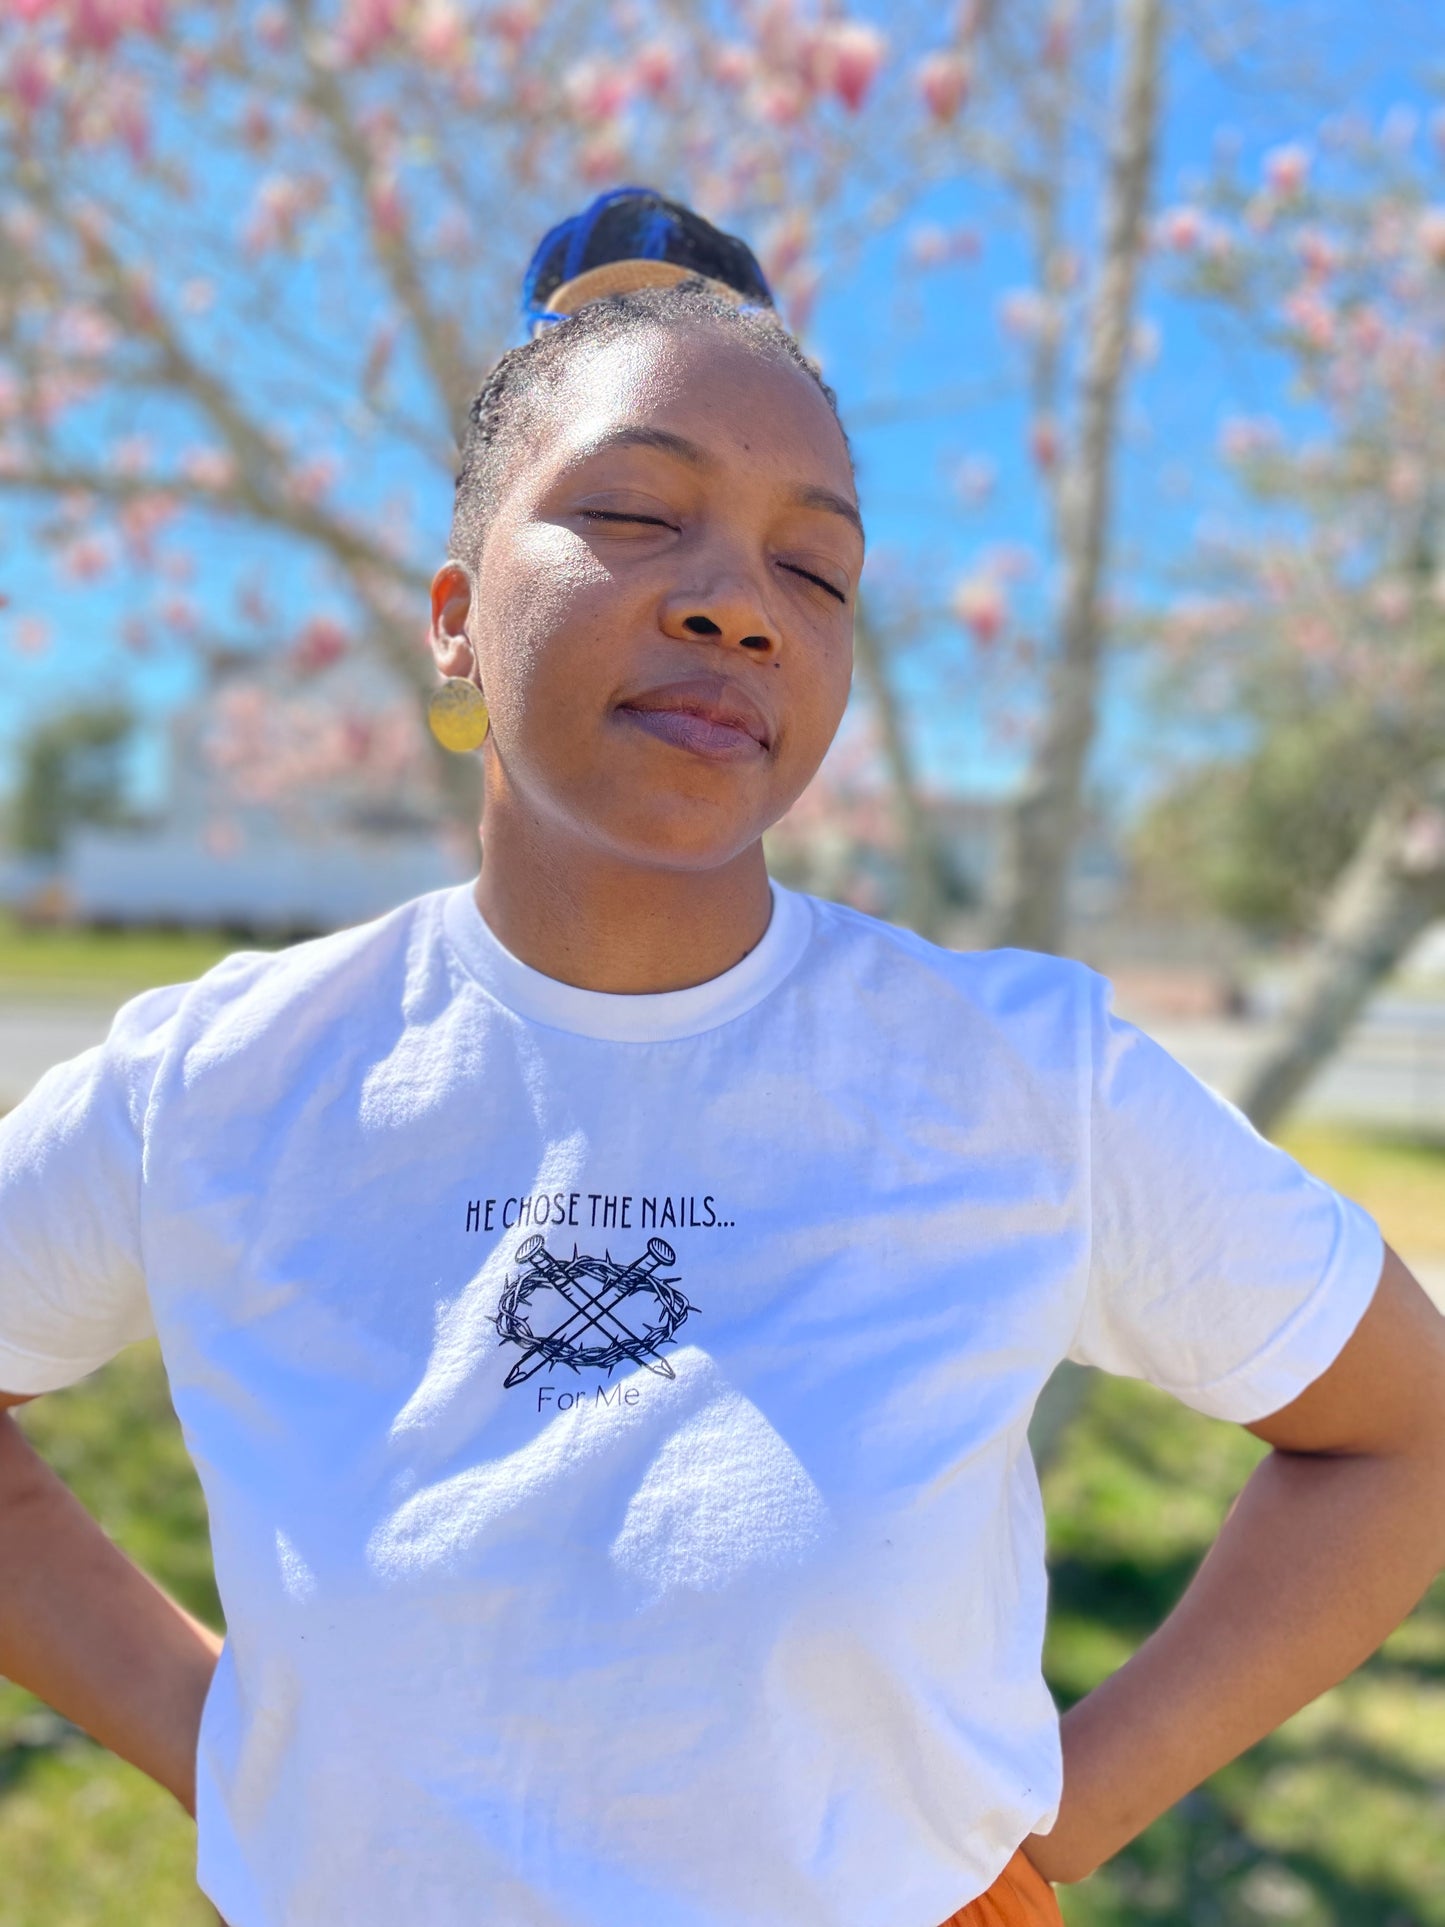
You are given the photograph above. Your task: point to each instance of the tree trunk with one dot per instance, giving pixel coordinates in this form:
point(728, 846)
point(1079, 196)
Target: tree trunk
point(1393, 887)
point(924, 888)
point(1044, 822)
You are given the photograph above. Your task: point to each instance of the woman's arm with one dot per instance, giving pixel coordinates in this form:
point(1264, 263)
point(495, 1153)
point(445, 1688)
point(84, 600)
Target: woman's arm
point(88, 1632)
point(1331, 1543)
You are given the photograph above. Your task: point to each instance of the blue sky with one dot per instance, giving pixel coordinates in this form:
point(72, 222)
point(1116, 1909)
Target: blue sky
point(949, 407)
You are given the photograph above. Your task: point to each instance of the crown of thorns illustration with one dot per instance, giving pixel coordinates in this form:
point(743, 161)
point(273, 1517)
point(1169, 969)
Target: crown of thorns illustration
point(592, 1330)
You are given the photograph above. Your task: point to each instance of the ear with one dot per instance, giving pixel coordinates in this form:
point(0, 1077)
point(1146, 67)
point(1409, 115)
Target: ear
point(451, 602)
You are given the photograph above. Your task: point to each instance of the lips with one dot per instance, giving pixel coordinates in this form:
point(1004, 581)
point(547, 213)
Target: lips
point(707, 715)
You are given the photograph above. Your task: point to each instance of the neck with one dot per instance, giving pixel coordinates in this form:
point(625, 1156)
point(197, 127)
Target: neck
point(588, 918)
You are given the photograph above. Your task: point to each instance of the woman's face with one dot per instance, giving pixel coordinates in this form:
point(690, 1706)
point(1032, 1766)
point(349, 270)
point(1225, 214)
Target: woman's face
point(663, 611)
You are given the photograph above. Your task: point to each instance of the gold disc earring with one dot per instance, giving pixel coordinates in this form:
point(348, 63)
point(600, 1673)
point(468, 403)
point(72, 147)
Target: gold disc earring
point(457, 713)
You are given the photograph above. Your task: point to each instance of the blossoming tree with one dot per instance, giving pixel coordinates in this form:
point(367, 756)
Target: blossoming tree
point(1330, 600)
point(254, 259)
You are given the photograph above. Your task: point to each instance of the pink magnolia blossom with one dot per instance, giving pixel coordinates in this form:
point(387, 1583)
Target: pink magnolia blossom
point(779, 102)
point(597, 89)
point(1367, 330)
point(1058, 35)
point(733, 65)
point(454, 232)
point(87, 559)
point(132, 454)
point(366, 27)
point(312, 480)
point(272, 28)
point(130, 122)
point(1028, 315)
point(142, 518)
point(657, 68)
point(32, 635)
point(96, 25)
point(1286, 170)
point(178, 612)
point(1243, 437)
point(258, 129)
point(981, 605)
point(85, 333)
point(943, 80)
point(1319, 253)
point(515, 23)
point(602, 159)
point(1044, 443)
point(847, 59)
point(439, 32)
point(321, 641)
point(282, 203)
point(928, 244)
point(385, 205)
point(208, 468)
point(1180, 229)
point(31, 77)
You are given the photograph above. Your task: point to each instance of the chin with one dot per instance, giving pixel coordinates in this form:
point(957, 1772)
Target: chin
point(678, 835)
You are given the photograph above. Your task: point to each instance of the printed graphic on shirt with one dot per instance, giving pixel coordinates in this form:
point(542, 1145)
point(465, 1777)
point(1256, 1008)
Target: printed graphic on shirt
point(583, 1311)
point(602, 1210)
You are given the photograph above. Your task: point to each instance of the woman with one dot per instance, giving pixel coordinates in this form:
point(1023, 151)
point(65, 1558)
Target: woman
point(605, 1302)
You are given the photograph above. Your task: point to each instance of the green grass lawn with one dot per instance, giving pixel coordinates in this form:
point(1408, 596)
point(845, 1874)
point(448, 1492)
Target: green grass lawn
point(1337, 1821)
point(103, 965)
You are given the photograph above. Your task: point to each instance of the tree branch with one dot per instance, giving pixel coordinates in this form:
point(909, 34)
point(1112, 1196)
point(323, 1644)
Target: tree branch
point(434, 332)
point(1032, 907)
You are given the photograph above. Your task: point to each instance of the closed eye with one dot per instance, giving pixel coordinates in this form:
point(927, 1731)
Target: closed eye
point(808, 576)
point(616, 515)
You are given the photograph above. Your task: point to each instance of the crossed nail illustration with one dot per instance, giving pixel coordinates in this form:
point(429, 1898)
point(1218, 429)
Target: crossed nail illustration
point(592, 1289)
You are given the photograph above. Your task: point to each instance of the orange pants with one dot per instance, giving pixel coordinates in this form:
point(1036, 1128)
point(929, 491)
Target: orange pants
point(1020, 1897)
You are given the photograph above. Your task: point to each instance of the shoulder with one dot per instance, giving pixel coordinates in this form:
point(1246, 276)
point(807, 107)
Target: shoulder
point(1014, 989)
point(285, 999)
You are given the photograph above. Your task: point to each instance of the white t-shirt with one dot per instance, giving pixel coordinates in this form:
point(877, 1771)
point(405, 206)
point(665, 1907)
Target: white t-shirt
point(612, 1409)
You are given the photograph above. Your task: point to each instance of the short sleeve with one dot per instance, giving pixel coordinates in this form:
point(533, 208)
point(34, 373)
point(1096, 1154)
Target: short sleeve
point(72, 1281)
point(1220, 1269)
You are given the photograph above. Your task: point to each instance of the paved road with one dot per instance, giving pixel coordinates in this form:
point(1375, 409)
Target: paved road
point(35, 1036)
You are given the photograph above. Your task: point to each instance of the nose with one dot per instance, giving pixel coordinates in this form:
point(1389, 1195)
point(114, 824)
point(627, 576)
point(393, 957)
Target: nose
point(730, 611)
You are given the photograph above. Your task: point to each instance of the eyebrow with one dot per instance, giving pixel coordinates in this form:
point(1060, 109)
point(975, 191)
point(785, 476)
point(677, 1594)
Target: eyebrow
point(809, 496)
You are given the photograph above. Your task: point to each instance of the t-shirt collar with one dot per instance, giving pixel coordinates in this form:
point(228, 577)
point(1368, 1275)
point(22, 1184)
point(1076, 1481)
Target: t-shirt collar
point(643, 1018)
